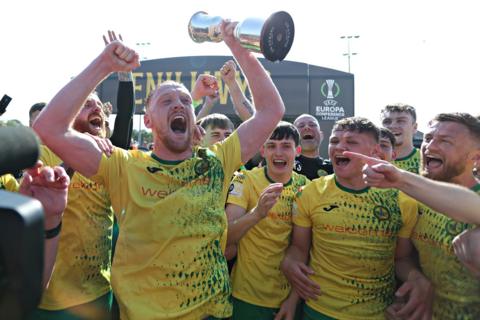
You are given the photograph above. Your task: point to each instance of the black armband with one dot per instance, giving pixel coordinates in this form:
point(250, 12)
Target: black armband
point(52, 233)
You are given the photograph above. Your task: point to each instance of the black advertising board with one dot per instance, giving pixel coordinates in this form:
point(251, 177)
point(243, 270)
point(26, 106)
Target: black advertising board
point(324, 93)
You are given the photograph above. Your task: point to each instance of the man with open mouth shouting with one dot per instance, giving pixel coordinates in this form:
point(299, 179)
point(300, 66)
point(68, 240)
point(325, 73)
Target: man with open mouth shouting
point(347, 237)
point(308, 162)
point(259, 212)
point(169, 263)
point(450, 152)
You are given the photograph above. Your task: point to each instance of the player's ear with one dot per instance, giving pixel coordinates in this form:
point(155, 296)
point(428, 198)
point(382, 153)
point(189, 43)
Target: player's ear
point(147, 121)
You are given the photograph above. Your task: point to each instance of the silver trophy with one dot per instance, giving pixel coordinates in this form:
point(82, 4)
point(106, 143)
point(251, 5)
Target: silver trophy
point(272, 37)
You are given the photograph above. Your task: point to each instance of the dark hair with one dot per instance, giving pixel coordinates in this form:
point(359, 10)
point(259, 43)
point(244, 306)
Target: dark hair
point(358, 124)
point(386, 133)
point(401, 107)
point(472, 123)
point(285, 130)
point(36, 107)
point(217, 120)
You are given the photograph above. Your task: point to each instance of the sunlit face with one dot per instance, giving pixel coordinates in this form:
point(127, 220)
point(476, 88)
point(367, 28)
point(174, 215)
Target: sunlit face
point(91, 117)
point(386, 149)
point(279, 156)
point(310, 134)
point(402, 126)
point(343, 140)
point(214, 135)
point(445, 151)
point(171, 118)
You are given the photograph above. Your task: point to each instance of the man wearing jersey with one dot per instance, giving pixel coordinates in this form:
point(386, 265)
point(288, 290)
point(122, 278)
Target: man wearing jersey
point(259, 208)
point(450, 149)
point(169, 262)
point(80, 284)
point(401, 119)
point(351, 234)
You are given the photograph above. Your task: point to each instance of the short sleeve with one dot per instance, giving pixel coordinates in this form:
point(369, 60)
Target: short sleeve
point(239, 191)
point(409, 209)
point(229, 153)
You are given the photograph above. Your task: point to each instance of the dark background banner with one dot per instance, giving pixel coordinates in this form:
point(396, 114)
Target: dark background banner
point(324, 93)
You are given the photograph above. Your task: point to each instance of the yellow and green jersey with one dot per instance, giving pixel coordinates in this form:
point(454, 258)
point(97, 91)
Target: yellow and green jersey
point(354, 236)
point(457, 291)
point(82, 266)
point(9, 183)
point(256, 276)
point(168, 261)
point(409, 163)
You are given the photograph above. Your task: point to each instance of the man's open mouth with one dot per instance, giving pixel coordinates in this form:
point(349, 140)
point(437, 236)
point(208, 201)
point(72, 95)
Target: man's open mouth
point(433, 162)
point(342, 161)
point(178, 124)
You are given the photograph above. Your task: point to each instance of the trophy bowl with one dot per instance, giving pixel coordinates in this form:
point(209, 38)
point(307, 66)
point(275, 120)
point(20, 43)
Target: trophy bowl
point(272, 37)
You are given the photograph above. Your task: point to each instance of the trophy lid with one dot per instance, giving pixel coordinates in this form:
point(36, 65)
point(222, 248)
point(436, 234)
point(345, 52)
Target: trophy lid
point(277, 36)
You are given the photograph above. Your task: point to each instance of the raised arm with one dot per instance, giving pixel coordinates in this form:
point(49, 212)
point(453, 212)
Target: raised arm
point(243, 108)
point(440, 196)
point(268, 103)
point(122, 129)
point(53, 125)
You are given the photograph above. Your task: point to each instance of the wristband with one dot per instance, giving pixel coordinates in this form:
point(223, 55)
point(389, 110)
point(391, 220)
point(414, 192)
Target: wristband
point(52, 233)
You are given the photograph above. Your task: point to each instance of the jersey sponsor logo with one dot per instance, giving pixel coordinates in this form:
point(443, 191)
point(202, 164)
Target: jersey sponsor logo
point(154, 193)
point(330, 208)
point(381, 213)
point(87, 186)
point(356, 230)
point(279, 216)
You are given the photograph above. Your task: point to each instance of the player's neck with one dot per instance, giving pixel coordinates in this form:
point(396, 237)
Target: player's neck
point(465, 179)
point(355, 183)
point(404, 150)
point(280, 177)
point(164, 153)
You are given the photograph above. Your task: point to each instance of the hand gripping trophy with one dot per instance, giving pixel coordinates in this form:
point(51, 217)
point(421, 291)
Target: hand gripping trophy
point(272, 37)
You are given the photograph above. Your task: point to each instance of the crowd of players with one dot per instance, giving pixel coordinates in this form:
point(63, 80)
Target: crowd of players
point(380, 230)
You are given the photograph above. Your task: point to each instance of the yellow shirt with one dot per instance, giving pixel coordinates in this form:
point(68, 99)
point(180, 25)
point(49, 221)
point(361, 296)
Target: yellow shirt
point(457, 291)
point(8, 182)
point(168, 262)
point(409, 163)
point(256, 276)
point(354, 235)
point(82, 266)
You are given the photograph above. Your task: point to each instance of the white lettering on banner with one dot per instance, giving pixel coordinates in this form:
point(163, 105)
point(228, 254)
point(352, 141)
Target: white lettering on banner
point(329, 112)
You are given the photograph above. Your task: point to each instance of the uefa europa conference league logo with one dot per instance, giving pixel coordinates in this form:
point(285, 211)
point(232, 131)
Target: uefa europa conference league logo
point(330, 110)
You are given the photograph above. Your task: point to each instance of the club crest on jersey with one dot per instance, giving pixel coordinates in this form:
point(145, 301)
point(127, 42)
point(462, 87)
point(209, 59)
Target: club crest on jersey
point(322, 173)
point(236, 189)
point(454, 227)
point(381, 213)
point(201, 167)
